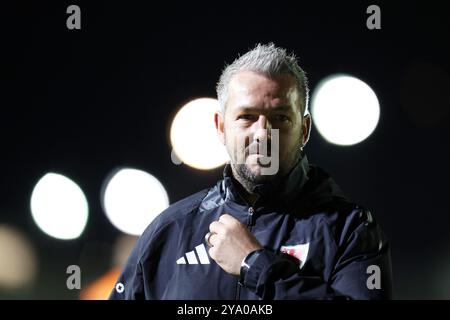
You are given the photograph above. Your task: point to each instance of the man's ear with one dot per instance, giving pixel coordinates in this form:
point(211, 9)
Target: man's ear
point(220, 125)
point(306, 128)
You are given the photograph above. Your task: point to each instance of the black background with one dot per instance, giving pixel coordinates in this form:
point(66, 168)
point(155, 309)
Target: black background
point(83, 102)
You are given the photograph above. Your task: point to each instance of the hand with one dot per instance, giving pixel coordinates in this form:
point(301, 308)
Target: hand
point(231, 242)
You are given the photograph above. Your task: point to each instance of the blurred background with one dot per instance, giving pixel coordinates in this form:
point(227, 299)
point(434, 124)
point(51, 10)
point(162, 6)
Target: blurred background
point(103, 127)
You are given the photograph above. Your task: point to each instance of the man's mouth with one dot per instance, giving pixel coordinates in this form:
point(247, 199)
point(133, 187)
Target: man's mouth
point(260, 159)
point(260, 149)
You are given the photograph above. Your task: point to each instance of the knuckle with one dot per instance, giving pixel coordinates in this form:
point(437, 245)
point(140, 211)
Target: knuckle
point(236, 224)
point(226, 231)
point(219, 239)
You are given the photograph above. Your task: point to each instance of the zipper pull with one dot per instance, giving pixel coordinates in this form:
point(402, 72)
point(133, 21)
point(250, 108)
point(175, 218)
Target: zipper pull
point(251, 211)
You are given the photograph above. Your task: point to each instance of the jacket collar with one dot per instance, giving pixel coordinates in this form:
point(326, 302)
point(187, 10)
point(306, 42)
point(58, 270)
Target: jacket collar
point(285, 190)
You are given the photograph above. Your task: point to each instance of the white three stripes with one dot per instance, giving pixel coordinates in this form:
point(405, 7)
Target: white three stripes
point(191, 257)
point(202, 255)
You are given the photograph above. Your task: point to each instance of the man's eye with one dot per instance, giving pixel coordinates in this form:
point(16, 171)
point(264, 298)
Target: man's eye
point(246, 117)
point(281, 118)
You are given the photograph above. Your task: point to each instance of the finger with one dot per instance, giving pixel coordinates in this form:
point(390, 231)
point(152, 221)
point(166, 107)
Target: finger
point(227, 219)
point(216, 227)
point(213, 239)
point(212, 253)
point(207, 236)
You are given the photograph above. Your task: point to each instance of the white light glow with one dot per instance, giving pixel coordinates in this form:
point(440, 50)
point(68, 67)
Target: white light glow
point(194, 138)
point(59, 207)
point(132, 199)
point(345, 110)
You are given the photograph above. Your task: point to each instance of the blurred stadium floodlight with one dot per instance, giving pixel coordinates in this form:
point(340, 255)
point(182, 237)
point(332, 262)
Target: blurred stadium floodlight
point(193, 136)
point(18, 263)
point(59, 207)
point(344, 109)
point(132, 198)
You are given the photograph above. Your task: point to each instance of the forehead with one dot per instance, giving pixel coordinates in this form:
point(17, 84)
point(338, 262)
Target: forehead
point(256, 88)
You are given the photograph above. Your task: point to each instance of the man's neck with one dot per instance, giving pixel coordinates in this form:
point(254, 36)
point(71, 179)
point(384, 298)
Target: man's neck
point(249, 197)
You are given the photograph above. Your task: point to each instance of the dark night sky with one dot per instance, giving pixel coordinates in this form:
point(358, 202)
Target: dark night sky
point(83, 102)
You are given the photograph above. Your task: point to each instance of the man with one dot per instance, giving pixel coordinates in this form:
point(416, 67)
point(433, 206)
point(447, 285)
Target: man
point(275, 226)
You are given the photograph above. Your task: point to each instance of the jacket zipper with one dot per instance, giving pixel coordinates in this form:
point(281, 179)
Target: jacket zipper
point(251, 211)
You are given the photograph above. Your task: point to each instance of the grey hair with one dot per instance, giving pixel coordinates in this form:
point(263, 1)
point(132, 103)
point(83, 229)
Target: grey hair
point(267, 60)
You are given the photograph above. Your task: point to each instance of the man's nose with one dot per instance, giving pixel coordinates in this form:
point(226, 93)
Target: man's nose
point(263, 129)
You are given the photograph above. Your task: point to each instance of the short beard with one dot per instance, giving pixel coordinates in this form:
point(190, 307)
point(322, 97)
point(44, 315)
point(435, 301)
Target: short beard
point(249, 180)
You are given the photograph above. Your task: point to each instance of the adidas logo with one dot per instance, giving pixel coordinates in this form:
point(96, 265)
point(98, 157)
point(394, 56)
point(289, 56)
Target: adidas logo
point(192, 257)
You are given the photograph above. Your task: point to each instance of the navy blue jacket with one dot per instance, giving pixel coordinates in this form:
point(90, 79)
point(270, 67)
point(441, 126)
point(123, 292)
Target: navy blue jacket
point(318, 245)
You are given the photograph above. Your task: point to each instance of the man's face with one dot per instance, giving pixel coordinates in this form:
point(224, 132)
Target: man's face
point(256, 105)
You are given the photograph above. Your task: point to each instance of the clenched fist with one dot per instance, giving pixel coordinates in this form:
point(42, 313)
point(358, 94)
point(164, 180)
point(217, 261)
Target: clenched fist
point(230, 242)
